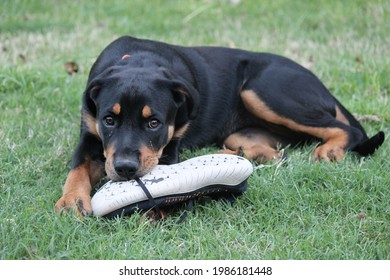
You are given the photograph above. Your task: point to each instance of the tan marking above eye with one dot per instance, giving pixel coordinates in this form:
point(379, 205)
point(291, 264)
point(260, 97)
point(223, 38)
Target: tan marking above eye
point(146, 112)
point(116, 108)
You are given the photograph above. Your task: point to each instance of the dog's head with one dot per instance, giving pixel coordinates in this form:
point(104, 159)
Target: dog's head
point(135, 113)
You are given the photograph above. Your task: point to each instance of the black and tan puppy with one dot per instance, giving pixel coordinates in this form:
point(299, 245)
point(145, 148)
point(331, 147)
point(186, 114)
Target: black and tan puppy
point(146, 100)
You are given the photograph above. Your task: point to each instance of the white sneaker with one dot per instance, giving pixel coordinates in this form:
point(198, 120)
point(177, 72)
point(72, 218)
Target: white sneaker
point(171, 184)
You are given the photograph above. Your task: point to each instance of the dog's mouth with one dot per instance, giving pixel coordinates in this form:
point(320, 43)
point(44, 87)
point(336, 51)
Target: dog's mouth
point(129, 169)
point(116, 173)
point(113, 176)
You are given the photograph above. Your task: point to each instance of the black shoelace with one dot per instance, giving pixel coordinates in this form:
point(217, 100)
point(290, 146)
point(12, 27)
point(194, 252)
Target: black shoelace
point(189, 204)
point(150, 197)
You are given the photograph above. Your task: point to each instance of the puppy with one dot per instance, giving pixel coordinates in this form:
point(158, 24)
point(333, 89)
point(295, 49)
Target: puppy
point(145, 100)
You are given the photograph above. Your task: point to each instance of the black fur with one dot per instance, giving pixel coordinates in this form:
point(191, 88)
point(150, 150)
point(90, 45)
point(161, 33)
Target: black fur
point(194, 97)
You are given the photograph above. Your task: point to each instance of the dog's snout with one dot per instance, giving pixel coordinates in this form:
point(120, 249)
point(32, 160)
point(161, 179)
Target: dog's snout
point(126, 168)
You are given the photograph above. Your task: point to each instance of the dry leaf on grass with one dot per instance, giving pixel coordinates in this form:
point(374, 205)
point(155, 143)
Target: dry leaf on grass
point(71, 67)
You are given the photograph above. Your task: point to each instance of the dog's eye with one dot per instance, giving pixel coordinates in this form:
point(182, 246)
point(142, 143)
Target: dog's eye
point(109, 121)
point(153, 123)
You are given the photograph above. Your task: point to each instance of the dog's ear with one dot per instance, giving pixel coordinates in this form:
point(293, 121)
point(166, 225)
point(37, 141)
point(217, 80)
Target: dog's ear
point(91, 93)
point(90, 96)
point(184, 93)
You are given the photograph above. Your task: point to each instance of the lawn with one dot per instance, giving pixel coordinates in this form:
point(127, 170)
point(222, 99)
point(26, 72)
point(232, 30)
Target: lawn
point(299, 210)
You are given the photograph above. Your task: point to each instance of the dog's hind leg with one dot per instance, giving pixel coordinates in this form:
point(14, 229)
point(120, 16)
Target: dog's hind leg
point(254, 143)
point(336, 135)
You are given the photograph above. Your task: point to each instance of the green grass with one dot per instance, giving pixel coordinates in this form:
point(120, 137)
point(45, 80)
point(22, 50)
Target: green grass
point(297, 211)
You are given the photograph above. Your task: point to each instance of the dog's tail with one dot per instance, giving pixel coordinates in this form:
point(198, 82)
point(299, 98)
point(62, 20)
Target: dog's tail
point(368, 145)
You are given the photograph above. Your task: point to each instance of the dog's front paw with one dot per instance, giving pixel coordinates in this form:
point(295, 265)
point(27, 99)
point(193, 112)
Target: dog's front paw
point(81, 203)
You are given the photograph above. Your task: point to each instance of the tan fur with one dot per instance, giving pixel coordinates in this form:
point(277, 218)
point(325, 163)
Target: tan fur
point(91, 124)
point(146, 112)
point(171, 131)
point(181, 131)
point(258, 146)
point(149, 158)
point(76, 191)
point(116, 108)
point(109, 165)
point(335, 138)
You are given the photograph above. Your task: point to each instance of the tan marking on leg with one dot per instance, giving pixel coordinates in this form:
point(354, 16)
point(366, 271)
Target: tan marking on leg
point(146, 112)
point(76, 191)
point(335, 139)
point(333, 148)
point(340, 116)
point(181, 131)
point(116, 108)
point(255, 146)
point(228, 151)
point(91, 124)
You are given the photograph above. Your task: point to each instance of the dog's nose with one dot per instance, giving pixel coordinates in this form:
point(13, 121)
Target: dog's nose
point(126, 168)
